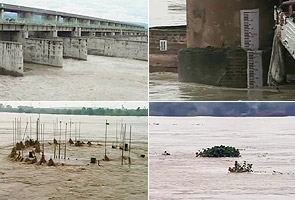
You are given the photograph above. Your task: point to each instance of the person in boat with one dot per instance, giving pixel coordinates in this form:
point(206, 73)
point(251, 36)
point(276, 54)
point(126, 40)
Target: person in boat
point(166, 153)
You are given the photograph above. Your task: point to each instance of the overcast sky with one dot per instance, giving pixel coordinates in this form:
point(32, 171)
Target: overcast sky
point(121, 10)
point(48, 104)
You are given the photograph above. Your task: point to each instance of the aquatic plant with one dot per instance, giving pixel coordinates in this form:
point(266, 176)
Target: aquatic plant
point(238, 168)
point(219, 151)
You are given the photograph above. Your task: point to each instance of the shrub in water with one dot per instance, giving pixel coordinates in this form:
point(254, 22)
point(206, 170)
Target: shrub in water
point(219, 151)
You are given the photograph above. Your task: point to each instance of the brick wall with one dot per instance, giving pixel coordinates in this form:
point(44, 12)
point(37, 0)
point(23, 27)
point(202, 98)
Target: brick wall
point(176, 40)
point(175, 36)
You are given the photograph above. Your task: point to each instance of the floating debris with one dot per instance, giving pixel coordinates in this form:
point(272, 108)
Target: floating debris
point(165, 153)
point(219, 151)
point(142, 155)
point(241, 168)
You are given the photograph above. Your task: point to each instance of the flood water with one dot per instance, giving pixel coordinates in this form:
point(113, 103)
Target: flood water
point(167, 13)
point(165, 86)
point(99, 78)
point(92, 128)
point(267, 143)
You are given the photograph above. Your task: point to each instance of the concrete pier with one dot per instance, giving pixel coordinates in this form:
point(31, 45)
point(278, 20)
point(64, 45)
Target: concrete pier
point(11, 59)
point(75, 48)
point(44, 51)
point(118, 48)
point(217, 31)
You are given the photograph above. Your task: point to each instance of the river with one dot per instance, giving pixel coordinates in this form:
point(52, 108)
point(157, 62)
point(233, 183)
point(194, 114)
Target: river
point(167, 13)
point(97, 79)
point(91, 127)
point(267, 143)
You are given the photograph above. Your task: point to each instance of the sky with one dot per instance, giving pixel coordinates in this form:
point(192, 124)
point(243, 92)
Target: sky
point(50, 104)
point(119, 10)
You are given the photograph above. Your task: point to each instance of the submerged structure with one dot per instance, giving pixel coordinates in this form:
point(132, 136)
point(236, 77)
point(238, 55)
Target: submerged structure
point(229, 42)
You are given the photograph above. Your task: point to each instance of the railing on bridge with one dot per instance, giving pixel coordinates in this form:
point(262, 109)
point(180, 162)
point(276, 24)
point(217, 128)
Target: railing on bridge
point(72, 24)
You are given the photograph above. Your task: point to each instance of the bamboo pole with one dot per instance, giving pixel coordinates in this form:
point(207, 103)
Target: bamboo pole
point(56, 129)
point(105, 140)
point(59, 140)
point(66, 141)
point(20, 130)
point(75, 131)
point(37, 129)
point(123, 141)
point(70, 128)
point(13, 133)
point(129, 158)
point(79, 131)
point(30, 127)
point(116, 133)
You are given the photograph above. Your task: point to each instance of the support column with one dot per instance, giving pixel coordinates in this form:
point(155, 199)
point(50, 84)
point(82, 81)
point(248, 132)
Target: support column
point(59, 19)
point(76, 32)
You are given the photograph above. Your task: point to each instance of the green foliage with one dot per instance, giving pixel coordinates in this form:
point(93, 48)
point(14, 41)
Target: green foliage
point(78, 111)
point(238, 168)
point(219, 151)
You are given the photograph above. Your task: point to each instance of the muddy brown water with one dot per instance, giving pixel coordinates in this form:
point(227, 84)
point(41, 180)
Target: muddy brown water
point(164, 86)
point(92, 127)
point(77, 179)
point(267, 143)
point(167, 13)
point(98, 78)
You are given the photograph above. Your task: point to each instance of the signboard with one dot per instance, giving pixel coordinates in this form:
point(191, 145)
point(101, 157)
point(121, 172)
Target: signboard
point(254, 69)
point(163, 45)
point(250, 29)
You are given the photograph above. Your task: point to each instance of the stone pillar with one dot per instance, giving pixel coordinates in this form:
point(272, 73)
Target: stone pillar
point(11, 58)
point(52, 18)
point(59, 19)
point(43, 51)
point(2, 13)
point(75, 48)
point(21, 15)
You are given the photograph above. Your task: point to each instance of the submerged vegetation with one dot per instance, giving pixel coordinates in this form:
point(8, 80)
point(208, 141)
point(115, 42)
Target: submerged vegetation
point(238, 168)
point(219, 151)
